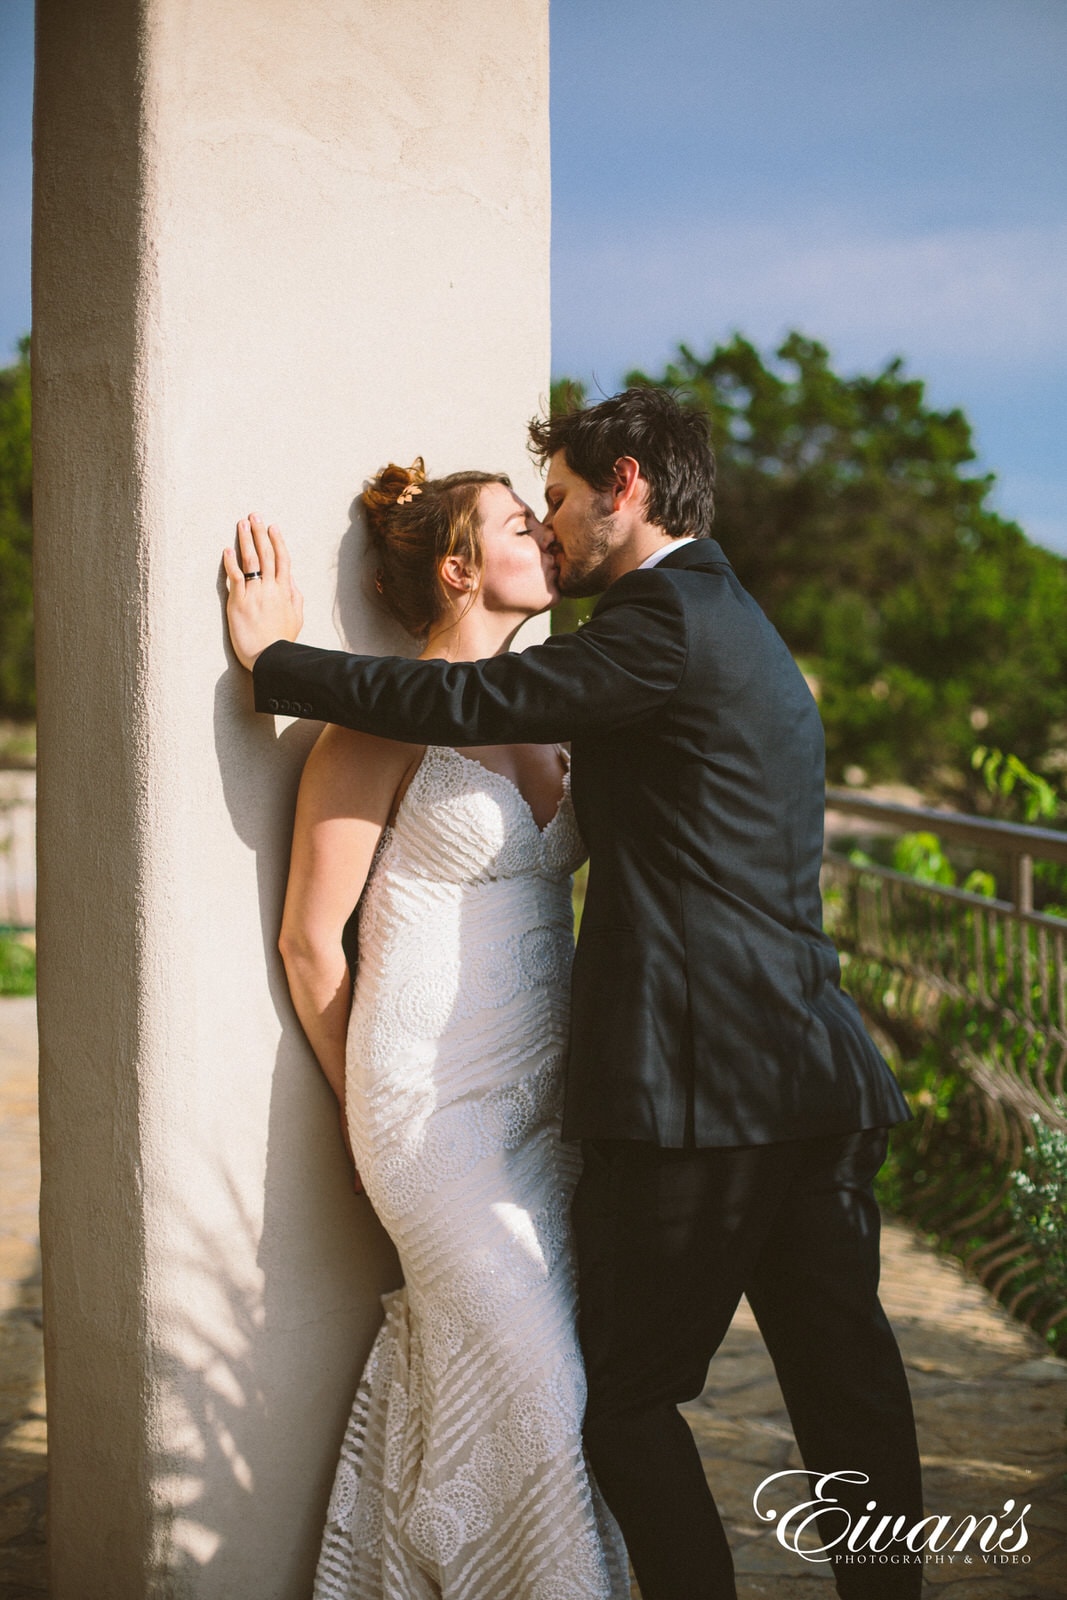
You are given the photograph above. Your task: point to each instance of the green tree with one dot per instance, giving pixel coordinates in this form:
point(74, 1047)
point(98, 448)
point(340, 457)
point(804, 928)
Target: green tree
point(16, 541)
point(853, 512)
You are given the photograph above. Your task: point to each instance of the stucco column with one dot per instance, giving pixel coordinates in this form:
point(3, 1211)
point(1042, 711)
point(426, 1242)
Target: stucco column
point(276, 245)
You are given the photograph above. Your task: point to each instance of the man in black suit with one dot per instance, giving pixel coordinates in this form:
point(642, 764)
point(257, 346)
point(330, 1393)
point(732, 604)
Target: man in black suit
point(731, 1107)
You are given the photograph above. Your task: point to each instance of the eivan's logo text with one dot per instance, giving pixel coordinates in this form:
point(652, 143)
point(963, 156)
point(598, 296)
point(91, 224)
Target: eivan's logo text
point(880, 1537)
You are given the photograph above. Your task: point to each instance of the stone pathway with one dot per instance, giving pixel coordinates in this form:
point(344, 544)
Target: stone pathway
point(989, 1406)
point(990, 1402)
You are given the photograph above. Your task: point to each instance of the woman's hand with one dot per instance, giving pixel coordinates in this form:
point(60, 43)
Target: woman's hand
point(263, 604)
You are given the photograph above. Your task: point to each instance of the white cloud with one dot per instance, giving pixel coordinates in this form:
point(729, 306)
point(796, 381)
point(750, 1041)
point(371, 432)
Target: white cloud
point(971, 299)
point(978, 313)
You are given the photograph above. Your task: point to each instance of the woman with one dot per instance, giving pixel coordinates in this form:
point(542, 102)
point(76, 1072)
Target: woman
point(461, 1473)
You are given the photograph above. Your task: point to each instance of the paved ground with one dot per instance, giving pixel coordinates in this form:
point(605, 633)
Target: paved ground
point(22, 1424)
point(989, 1406)
point(990, 1402)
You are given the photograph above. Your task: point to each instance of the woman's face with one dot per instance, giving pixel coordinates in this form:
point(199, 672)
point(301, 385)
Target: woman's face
point(518, 574)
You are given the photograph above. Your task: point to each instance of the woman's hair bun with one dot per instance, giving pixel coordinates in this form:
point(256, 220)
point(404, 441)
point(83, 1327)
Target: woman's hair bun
point(392, 486)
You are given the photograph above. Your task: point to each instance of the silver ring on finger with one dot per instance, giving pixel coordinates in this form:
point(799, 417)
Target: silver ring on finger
point(249, 575)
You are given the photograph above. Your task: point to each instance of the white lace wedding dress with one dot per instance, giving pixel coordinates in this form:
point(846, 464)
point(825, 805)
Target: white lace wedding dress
point(462, 1473)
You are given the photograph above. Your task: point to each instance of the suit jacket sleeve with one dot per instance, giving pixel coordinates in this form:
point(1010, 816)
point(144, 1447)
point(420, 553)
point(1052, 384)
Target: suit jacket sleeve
point(620, 667)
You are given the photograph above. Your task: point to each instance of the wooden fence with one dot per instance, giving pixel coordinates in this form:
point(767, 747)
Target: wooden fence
point(969, 993)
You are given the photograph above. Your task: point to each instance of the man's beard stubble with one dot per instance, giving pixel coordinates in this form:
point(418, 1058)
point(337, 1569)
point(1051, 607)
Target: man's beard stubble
point(587, 574)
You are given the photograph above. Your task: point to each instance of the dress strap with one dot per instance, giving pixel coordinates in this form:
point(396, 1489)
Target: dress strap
point(563, 751)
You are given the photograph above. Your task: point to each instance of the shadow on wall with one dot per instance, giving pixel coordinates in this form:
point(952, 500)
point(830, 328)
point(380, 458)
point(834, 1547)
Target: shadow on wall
point(273, 1320)
point(362, 620)
point(245, 1371)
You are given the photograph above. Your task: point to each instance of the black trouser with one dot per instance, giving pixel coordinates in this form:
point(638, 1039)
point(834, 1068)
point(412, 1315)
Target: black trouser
point(667, 1242)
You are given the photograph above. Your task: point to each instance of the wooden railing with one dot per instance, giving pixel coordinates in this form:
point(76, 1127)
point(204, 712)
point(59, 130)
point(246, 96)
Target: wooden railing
point(968, 994)
point(1019, 846)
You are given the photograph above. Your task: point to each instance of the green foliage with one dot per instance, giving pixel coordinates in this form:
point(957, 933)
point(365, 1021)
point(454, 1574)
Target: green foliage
point(568, 615)
point(963, 1005)
point(1018, 794)
point(1038, 1199)
point(1008, 779)
point(981, 882)
point(565, 394)
point(921, 856)
point(16, 578)
point(578, 889)
point(853, 512)
point(18, 744)
point(18, 964)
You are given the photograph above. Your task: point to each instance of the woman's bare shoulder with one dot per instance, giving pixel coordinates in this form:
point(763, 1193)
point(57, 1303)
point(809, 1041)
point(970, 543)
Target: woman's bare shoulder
point(358, 762)
point(346, 746)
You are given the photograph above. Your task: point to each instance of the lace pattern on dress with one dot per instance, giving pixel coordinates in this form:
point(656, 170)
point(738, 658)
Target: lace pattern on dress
point(462, 1475)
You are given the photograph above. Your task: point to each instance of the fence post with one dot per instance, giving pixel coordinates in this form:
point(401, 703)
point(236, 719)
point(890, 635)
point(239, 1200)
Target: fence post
point(1022, 882)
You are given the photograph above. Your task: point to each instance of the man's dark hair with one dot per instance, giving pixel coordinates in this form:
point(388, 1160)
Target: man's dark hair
point(669, 441)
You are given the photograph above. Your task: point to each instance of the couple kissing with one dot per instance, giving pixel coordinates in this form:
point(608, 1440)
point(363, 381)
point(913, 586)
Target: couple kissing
point(584, 1157)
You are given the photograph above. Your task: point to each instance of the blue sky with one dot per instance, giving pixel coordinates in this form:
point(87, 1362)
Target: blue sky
point(16, 104)
point(890, 176)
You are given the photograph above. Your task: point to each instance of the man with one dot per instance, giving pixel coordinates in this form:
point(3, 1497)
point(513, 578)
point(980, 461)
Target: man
point(732, 1109)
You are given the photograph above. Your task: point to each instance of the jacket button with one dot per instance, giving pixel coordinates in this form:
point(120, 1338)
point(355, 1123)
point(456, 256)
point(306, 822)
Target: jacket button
point(272, 705)
point(306, 710)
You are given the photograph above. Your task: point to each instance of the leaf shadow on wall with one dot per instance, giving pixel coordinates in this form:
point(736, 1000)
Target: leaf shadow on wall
point(281, 1288)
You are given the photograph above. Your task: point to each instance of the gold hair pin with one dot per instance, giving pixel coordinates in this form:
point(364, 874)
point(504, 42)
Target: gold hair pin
point(407, 495)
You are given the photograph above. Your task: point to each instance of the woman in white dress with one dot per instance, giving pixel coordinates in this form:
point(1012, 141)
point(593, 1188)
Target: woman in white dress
point(462, 1474)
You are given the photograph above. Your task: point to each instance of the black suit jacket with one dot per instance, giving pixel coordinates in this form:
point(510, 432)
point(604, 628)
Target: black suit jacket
point(706, 1003)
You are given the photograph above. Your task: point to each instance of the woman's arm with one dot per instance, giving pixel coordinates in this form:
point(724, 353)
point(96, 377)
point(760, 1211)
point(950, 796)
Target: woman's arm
point(346, 796)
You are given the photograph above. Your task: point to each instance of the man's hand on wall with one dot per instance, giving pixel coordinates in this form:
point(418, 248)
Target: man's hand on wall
point(263, 604)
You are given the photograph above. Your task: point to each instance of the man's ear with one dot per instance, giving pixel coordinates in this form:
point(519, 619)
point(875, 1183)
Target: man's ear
point(628, 486)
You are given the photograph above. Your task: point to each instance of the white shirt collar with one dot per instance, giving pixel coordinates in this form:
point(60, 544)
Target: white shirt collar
point(664, 550)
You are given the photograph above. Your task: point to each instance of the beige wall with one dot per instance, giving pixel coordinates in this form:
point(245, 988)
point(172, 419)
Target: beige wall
point(276, 244)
